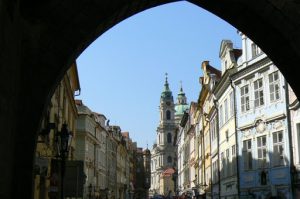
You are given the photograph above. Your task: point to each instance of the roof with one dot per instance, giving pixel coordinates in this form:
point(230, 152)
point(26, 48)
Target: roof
point(78, 102)
point(213, 70)
point(125, 134)
point(168, 172)
point(237, 53)
point(181, 108)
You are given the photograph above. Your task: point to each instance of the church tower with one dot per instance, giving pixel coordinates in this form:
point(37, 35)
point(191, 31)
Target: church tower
point(181, 106)
point(166, 127)
point(163, 154)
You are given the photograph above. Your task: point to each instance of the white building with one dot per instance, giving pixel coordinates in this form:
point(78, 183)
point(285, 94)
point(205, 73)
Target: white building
point(91, 147)
point(294, 108)
point(263, 134)
point(223, 129)
point(187, 155)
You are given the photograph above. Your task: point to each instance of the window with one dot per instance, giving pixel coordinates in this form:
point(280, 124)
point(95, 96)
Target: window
point(168, 115)
point(159, 138)
point(245, 99)
point(231, 104)
point(233, 162)
point(278, 153)
point(213, 129)
point(169, 138)
point(255, 50)
point(169, 159)
point(258, 93)
point(274, 86)
point(227, 136)
point(247, 154)
point(215, 171)
point(227, 163)
point(222, 165)
point(221, 115)
point(262, 151)
point(226, 110)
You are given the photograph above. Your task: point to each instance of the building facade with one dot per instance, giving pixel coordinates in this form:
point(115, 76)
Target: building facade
point(187, 152)
point(91, 148)
point(225, 126)
point(61, 110)
point(210, 78)
point(264, 163)
point(294, 109)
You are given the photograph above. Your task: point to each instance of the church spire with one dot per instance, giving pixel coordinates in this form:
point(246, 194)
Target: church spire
point(181, 98)
point(167, 93)
point(181, 90)
point(166, 83)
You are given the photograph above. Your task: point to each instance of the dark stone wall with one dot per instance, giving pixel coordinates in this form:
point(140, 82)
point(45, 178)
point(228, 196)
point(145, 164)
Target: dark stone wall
point(10, 60)
point(40, 39)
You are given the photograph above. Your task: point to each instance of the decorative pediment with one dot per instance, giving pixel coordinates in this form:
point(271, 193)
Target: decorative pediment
point(225, 46)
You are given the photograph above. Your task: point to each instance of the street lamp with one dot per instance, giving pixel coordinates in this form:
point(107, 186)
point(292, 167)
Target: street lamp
point(63, 141)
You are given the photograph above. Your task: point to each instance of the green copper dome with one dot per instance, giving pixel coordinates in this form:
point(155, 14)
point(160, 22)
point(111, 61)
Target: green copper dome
point(181, 108)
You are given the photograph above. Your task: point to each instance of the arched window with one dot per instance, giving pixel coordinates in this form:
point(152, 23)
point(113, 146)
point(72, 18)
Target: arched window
point(169, 138)
point(168, 115)
point(159, 139)
point(169, 159)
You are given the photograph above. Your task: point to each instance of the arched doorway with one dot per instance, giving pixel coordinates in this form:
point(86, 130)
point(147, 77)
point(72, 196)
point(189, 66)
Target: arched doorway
point(39, 41)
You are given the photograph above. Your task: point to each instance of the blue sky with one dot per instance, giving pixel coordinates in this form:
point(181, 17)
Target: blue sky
point(122, 72)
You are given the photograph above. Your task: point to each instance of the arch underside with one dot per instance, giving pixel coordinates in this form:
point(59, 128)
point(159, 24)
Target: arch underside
point(39, 40)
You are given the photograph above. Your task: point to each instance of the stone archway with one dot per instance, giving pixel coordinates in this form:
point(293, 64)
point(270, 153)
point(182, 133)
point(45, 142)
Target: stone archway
point(40, 39)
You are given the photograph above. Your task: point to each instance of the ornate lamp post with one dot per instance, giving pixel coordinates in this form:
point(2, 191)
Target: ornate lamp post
point(63, 141)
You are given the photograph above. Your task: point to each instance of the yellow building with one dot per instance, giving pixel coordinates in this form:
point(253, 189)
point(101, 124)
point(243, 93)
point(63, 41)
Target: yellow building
point(224, 94)
point(61, 110)
point(205, 104)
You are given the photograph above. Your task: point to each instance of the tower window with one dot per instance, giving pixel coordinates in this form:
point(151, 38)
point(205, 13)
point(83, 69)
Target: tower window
point(169, 138)
point(168, 115)
point(169, 159)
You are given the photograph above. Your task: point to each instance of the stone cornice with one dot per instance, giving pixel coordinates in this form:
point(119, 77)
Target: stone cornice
point(267, 120)
point(249, 69)
point(294, 105)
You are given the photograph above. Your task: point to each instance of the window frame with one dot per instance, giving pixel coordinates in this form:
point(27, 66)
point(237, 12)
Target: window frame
point(262, 162)
point(221, 115)
point(226, 110)
point(245, 96)
point(277, 144)
point(259, 100)
point(246, 151)
point(273, 84)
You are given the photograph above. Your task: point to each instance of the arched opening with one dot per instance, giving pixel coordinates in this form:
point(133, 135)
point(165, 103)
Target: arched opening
point(168, 113)
point(41, 40)
point(169, 138)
